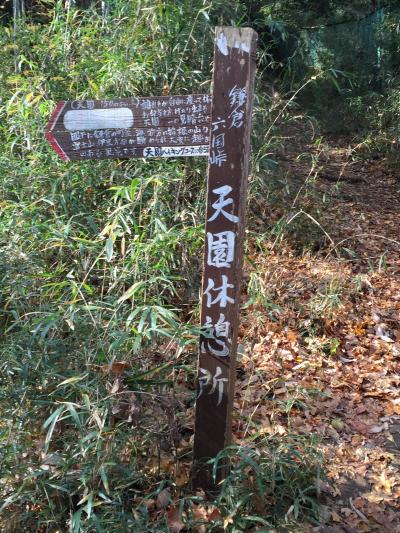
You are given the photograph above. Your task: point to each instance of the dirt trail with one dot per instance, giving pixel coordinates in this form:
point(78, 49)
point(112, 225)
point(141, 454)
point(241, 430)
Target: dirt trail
point(366, 211)
point(325, 337)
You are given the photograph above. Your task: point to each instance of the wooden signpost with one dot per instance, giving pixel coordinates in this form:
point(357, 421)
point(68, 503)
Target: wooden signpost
point(217, 126)
point(233, 81)
point(163, 126)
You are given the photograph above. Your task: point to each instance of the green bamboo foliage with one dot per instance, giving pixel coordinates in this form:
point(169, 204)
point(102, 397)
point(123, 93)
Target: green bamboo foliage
point(98, 262)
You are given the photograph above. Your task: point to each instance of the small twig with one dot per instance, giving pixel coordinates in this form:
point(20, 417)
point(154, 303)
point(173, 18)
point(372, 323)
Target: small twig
point(358, 235)
point(301, 212)
point(313, 78)
point(311, 173)
point(359, 513)
point(184, 50)
point(131, 392)
point(249, 420)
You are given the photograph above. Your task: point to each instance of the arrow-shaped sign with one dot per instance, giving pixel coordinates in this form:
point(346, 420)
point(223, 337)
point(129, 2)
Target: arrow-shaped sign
point(164, 126)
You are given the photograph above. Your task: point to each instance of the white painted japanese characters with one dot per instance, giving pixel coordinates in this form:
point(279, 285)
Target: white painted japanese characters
point(165, 126)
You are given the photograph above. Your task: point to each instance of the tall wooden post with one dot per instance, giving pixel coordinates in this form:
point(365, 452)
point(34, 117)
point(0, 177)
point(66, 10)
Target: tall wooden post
point(232, 99)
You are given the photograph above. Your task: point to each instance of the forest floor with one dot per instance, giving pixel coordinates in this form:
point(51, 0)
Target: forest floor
point(319, 348)
point(328, 349)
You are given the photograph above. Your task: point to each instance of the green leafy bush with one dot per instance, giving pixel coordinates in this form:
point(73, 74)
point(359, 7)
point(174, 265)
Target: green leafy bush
point(275, 482)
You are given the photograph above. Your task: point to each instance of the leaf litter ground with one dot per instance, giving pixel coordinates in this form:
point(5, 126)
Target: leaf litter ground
point(325, 356)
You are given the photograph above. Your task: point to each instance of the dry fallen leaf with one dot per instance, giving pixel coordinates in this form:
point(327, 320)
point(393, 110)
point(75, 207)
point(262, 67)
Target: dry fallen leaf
point(214, 516)
point(377, 429)
point(116, 386)
point(359, 426)
point(337, 423)
point(359, 329)
point(200, 516)
point(181, 478)
point(381, 333)
point(163, 499)
point(116, 368)
point(385, 483)
point(175, 523)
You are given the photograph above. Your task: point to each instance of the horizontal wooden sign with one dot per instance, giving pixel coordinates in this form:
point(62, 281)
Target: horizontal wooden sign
point(163, 126)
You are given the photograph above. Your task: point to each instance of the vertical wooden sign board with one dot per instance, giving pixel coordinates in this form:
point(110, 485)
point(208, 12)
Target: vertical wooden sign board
point(231, 111)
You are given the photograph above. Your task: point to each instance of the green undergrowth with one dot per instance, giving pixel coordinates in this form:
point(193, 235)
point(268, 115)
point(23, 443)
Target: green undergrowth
point(277, 482)
point(100, 268)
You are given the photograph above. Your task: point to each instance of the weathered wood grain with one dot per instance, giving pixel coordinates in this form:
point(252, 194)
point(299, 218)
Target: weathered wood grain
point(232, 98)
point(165, 126)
